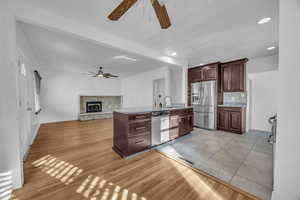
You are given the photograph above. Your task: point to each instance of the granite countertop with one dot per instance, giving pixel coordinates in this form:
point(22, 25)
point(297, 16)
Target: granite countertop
point(233, 105)
point(148, 109)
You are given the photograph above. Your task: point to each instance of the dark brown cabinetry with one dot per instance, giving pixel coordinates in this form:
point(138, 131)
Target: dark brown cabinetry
point(186, 122)
point(132, 132)
point(232, 119)
point(181, 122)
point(202, 73)
point(223, 120)
point(233, 76)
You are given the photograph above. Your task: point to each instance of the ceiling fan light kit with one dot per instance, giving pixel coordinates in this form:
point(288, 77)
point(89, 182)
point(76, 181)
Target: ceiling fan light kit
point(158, 5)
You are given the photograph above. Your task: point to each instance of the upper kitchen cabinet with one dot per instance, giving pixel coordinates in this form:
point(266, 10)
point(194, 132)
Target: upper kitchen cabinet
point(195, 74)
point(203, 73)
point(233, 76)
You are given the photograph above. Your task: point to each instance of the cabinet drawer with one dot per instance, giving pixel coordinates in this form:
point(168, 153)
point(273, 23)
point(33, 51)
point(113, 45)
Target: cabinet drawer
point(234, 109)
point(176, 112)
point(181, 112)
point(139, 143)
point(137, 117)
point(139, 128)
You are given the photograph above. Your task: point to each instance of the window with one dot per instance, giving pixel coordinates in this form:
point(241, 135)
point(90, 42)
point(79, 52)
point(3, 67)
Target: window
point(37, 91)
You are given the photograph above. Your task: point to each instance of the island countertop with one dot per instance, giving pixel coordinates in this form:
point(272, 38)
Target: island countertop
point(148, 109)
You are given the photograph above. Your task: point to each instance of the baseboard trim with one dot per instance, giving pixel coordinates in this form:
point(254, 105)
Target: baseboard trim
point(70, 121)
point(35, 133)
point(32, 141)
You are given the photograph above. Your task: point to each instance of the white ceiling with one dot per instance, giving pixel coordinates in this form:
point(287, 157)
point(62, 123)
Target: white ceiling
point(65, 52)
point(203, 30)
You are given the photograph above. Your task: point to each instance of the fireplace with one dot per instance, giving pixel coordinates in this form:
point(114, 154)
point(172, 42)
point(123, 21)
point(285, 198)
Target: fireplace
point(93, 106)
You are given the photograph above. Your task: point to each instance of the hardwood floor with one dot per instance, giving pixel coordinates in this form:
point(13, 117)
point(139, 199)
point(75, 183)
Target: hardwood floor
point(74, 160)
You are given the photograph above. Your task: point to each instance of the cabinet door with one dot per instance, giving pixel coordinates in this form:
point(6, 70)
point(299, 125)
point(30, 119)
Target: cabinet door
point(191, 75)
point(223, 120)
point(195, 74)
point(190, 123)
point(199, 76)
point(237, 77)
point(226, 78)
point(182, 125)
point(210, 73)
point(235, 121)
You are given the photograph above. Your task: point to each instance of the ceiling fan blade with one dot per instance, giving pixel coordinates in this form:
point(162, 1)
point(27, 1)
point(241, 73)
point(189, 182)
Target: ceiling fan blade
point(121, 9)
point(162, 14)
point(109, 75)
point(88, 73)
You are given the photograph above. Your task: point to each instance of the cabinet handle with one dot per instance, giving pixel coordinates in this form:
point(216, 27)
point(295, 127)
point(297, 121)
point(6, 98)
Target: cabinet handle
point(140, 117)
point(140, 128)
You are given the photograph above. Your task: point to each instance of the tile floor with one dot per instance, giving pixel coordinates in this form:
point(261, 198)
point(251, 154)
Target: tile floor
point(244, 161)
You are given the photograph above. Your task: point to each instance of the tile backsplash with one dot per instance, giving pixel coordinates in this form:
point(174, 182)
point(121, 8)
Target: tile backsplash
point(235, 98)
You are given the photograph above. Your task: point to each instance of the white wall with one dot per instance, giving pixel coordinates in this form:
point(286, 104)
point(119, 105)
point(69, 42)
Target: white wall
point(257, 66)
point(262, 64)
point(137, 90)
point(176, 85)
point(26, 53)
point(287, 160)
point(263, 102)
point(60, 93)
point(10, 156)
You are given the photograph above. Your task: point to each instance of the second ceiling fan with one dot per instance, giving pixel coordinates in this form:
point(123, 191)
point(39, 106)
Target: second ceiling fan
point(160, 10)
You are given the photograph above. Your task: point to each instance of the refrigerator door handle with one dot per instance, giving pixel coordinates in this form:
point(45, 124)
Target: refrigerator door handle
point(201, 93)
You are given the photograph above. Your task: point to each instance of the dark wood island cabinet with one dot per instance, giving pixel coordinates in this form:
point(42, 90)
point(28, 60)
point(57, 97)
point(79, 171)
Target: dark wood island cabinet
point(133, 131)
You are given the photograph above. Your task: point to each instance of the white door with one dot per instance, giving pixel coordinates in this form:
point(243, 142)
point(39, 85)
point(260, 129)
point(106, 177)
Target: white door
point(24, 107)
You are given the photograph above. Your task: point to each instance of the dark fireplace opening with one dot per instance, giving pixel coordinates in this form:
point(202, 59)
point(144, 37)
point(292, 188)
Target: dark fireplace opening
point(93, 106)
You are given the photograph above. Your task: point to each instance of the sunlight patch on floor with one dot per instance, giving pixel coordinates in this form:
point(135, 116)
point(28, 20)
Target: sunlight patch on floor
point(13, 197)
point(61, 170)
point(199, 186)
point(95, 188)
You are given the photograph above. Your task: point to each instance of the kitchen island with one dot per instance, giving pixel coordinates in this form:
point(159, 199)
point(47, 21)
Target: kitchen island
point(139, 129)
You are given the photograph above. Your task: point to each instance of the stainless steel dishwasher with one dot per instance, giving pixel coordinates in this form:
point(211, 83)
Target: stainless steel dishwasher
point(160, 127)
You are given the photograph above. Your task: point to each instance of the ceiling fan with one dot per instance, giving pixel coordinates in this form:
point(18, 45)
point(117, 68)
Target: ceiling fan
point(100, 74)
point(158, 5)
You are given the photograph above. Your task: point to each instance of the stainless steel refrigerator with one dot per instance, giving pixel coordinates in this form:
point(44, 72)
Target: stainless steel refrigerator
point(204, 102)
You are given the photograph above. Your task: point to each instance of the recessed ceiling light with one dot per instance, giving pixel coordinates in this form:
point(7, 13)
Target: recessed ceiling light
point(124, 58)
point(201, 64)
point(264, 20)
point(174, 54)
point(271, 48)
